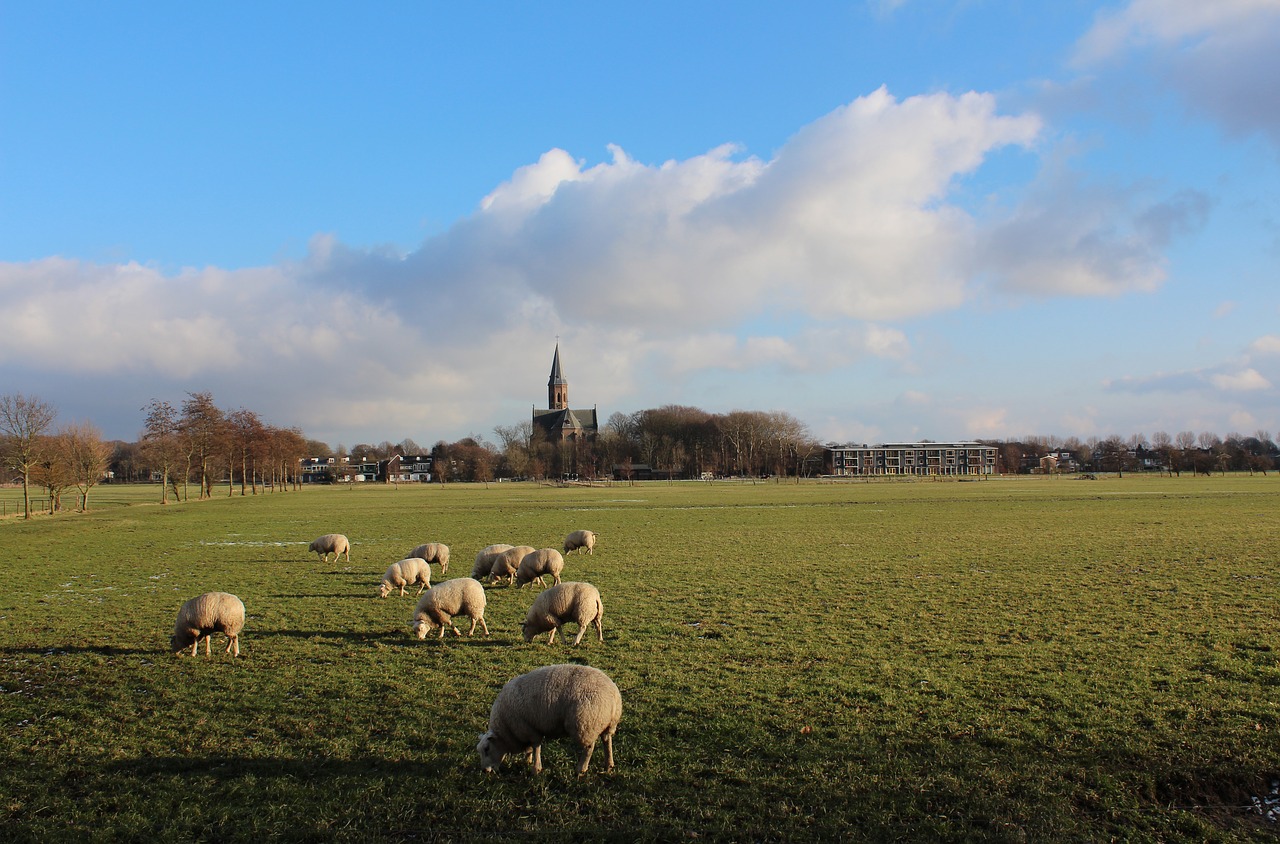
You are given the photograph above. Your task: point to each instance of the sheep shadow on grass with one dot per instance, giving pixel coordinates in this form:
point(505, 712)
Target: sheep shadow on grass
point(347, 636)
point(101, 650)
point(230, 767)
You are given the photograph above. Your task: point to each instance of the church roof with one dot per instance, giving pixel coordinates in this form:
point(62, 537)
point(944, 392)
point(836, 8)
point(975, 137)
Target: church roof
point(552, 420)
point(556, 376)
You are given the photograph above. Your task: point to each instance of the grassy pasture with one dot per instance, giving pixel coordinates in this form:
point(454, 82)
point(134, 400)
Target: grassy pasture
point(1005, 660)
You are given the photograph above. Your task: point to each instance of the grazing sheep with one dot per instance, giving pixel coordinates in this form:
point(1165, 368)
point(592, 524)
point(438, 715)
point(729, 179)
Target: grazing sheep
point(561, 604)
point(540, 562)
point(580, 539)
point(433, 552)
point(506, 562)
point(406, 573)
point(439, 604)
point(205, 615)
point(577, 701)
point(484, 560)
point(331, 543)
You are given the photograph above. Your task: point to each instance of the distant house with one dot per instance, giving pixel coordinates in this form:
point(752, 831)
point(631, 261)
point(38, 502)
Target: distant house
point(406, 468)
point(926, 458)
point(360, 470)
point(318, 470)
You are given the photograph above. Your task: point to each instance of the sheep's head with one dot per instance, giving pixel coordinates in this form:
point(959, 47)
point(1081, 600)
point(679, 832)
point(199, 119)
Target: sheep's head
point(529, 631)
point(384, 590)
point(179, 642)
point(421, 628)
point(491, 753)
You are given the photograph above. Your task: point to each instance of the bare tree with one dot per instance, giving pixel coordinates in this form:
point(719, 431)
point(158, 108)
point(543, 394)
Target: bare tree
point(160, 441)
point(87, 455)
point(516, 440)
point(23, 421)
point(202, 426)
point(245, 434)
point(53, 470)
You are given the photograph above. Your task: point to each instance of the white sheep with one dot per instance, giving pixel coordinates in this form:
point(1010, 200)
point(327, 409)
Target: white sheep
point(561, 604)
point(205, 615)
point(331, 543)
point(580, 539)
point(433, 552)
point(406, 573)
point(484, 560)
point(439, 604)
point(577, 701)
point(538, 563)
point(506, 562)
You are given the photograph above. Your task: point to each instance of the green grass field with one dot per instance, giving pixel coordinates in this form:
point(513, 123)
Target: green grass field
point(1004, 660)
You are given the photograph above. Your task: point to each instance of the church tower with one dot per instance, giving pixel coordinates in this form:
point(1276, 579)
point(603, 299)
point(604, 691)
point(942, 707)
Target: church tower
point(557, 386)
point(560, 422)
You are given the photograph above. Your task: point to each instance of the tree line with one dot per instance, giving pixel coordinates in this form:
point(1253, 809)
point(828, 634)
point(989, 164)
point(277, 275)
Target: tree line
point(193, 443)
point(197, 444)
point(672, 441)
point(1186, 451)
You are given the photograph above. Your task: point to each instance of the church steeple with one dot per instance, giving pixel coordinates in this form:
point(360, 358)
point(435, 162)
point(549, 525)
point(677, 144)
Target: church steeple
point(557, 386)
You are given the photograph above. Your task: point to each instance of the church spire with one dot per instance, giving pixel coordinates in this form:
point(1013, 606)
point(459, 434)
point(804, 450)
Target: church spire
point(557, 386)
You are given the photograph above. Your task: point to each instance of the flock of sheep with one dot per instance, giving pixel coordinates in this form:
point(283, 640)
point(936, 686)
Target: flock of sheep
point(577, 701)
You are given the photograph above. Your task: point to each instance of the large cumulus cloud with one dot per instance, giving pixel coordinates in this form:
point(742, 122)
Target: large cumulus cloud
point(802, 262)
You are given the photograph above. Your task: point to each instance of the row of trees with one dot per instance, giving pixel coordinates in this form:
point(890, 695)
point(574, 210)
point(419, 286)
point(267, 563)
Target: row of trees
point(673, 441)
point(200, 443)
point(54, 460)
point(197, 443)
point(1185, 451)
point(193, 443)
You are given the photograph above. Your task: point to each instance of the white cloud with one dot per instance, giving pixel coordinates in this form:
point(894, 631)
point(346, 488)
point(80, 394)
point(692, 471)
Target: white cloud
point(1240, 381)
point(1268, 344)
point(1073, 238)
point(1162, 22)
point(987, 422)
point(1220, 56)
point(720, 262)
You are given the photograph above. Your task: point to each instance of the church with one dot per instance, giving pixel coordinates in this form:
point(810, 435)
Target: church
point(558, 422)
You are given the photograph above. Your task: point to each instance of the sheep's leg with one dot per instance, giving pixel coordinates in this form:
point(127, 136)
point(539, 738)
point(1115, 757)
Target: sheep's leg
point(584, 757)
point(551, 640)
point(195, 646)
point(456, 632)
point(599, 627)
point(473, 626)
point(537, 758)
point(582, 628)
point(483, 626)
point(608, 751)
point(208, 647)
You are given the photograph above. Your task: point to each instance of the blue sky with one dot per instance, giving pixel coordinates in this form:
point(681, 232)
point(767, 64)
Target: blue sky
point(896, 220)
